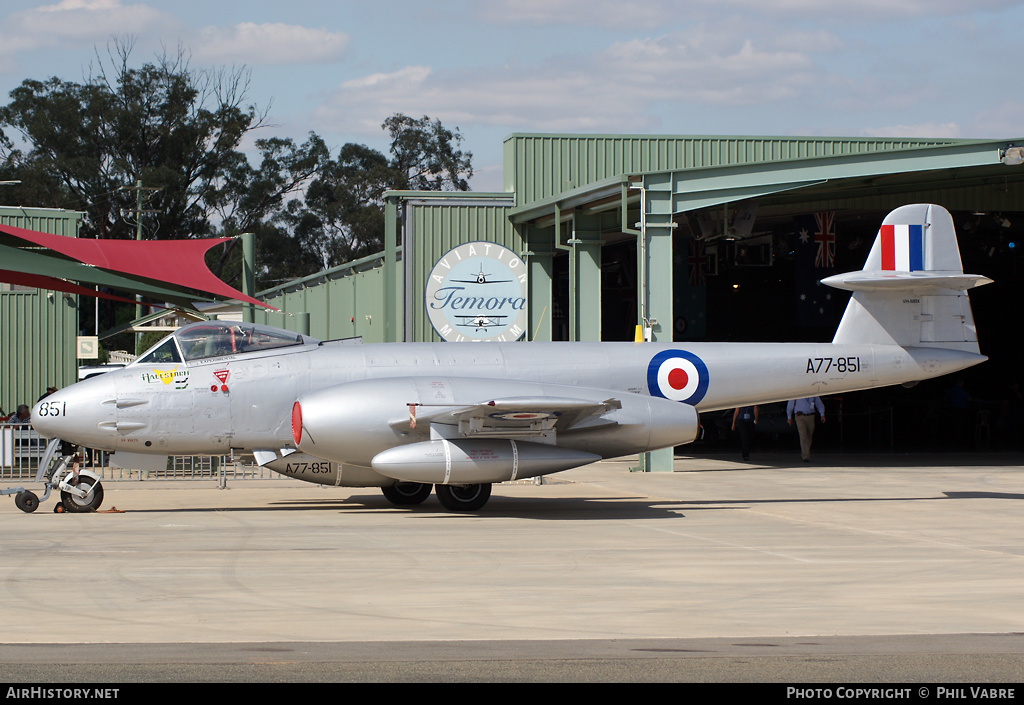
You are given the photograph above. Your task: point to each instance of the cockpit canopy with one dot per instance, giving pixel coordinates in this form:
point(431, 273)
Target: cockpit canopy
point(208, 339)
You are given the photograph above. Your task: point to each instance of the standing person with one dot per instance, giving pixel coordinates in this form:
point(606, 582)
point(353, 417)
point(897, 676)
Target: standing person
point(804, 410)
point(746, 417)
point(21, 416)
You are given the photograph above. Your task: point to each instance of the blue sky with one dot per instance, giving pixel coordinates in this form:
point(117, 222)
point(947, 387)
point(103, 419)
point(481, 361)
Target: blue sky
point(494, 67)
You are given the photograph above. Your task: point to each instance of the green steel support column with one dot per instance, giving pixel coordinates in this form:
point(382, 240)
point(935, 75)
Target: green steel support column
point(248, 273)
point(540, 287)
point(587, 256)
point(657, 232)
point(574, 279)
point(392, 314)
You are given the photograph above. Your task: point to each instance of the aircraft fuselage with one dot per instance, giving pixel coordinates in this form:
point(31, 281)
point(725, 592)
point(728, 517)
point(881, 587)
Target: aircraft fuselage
point(245, 401)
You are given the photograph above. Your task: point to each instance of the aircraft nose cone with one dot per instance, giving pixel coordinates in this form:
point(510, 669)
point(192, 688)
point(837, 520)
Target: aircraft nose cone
point(75, 413)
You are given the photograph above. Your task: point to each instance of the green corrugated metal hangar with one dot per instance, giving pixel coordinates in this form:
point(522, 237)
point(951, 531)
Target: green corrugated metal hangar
point(37, 327)
point(692, 237)
point(605, 224)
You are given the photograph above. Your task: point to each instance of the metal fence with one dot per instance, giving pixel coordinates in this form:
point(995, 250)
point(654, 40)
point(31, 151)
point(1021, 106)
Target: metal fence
point(21, 449)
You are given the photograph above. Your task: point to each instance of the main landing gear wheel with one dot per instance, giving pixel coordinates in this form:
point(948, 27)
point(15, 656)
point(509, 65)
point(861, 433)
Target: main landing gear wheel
point(26, 501)
point(89, 503)
point(463, 498)
point(406, 494)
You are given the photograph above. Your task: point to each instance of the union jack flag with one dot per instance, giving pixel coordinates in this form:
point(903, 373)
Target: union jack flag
point(826, 239)
point(698, 263)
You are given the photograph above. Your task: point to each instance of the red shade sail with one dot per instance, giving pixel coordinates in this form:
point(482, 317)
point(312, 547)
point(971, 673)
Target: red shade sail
point(178, 262)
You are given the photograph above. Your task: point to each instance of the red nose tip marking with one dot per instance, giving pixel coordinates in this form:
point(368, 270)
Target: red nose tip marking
point(296, 422)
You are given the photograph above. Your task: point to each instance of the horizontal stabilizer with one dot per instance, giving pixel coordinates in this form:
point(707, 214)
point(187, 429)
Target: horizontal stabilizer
point(922, 282)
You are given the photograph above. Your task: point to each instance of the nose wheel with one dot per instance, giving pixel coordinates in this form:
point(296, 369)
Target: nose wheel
point(75, 502)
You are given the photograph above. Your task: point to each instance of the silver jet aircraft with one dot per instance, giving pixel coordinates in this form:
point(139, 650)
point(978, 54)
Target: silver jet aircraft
point(407, 417)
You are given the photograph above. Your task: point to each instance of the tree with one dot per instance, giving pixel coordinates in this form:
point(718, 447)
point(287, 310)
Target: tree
point(425, 155)
point(342, 216)
point(176, 132)
point(246, 199)
point(175, 129)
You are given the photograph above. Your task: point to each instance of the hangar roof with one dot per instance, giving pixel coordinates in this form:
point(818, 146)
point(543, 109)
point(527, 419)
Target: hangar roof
point(802, 171)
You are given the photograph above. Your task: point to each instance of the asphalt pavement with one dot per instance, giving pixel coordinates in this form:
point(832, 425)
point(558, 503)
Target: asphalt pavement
point(854, 568)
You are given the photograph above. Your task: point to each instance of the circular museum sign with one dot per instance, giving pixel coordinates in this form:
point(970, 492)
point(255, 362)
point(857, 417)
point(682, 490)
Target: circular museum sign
point(477, 291)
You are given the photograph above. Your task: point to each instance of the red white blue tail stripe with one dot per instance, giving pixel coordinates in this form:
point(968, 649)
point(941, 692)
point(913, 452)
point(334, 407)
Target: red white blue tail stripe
point(677, 375)
point(902, 247)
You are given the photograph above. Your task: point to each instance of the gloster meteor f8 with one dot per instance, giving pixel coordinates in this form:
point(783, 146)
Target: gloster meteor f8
point(459, 417)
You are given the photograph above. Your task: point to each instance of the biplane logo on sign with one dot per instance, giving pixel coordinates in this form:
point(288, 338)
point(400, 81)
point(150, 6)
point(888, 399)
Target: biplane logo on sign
point(477, 292)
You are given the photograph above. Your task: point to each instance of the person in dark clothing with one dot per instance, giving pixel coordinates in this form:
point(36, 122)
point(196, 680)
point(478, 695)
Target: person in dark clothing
point(743, 420)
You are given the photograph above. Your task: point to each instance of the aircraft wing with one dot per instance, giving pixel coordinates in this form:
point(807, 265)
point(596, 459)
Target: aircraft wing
point(510, 416)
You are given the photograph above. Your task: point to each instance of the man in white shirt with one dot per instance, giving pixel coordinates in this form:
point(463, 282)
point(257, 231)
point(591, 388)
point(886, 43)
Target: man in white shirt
point(804, 410)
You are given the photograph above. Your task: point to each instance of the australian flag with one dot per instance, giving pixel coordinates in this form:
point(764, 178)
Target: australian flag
point(814, 251)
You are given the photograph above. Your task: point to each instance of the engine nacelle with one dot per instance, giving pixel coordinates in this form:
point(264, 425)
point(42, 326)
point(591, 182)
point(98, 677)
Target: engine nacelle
point(472, 460)
point(356, 422)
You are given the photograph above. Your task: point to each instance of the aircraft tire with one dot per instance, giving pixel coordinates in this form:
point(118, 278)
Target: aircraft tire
point(26, 501)
point(81, 505)
point(405, 494)
point(463, 498)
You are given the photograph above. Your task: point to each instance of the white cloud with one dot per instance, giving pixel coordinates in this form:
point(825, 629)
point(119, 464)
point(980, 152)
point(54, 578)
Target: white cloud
point(667, 13)
point(85, 23)
point(82, 21)
point(1005, 119)
point(74, 24)
point(268, 43)
point(949, 130)
point(865, 10)
point(610, 90)
point(601, 13)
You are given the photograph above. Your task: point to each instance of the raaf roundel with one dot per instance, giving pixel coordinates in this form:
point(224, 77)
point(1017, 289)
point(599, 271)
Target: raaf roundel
point(678, 375)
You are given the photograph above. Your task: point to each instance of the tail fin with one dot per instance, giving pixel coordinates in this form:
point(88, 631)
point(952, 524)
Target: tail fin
point(912, 290)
